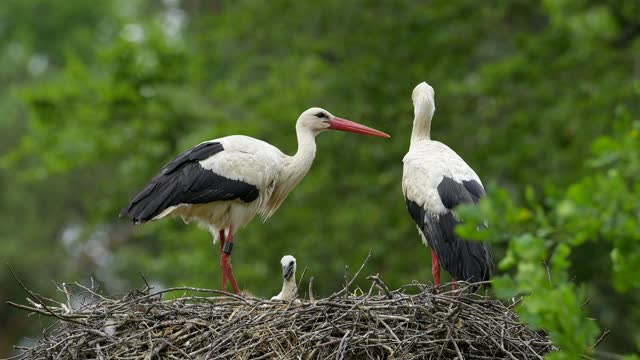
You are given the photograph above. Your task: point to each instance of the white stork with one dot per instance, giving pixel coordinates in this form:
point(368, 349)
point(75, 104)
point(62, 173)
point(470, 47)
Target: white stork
point(289, 287)
point(435, 180)
point(223, 184)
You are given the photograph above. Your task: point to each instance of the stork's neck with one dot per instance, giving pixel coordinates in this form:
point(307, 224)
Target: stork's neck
point(300, 163)
point(296, 168)
point(289, 288)
point(421, 128)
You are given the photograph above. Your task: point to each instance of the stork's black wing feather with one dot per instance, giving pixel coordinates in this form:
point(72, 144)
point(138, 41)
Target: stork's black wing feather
point(452, 193)
point(465, 260)
point(197, 153)
point(185, 181)
point(476, 191)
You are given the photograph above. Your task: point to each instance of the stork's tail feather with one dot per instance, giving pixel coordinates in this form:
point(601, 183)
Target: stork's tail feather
point(477, 263)
point(465, 260)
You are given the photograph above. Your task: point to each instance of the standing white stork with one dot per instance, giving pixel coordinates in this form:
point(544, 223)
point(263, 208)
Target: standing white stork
point(223, 184)
point(435, 180)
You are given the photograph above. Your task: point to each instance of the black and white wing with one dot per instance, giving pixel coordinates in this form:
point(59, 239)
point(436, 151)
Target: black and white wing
point(230, 168)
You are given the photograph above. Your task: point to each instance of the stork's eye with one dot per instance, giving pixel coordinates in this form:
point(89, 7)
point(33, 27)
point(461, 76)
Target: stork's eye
point(291, 263)
point(321, 115)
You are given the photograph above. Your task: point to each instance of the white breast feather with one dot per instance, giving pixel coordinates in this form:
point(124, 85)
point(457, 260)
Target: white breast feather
point(425, 165)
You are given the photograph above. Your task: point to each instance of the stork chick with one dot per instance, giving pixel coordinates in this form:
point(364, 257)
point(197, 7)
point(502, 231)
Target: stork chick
point(289, 286)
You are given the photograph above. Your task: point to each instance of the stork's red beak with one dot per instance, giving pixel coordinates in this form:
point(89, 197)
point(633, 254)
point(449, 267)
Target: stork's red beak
point(337, 123)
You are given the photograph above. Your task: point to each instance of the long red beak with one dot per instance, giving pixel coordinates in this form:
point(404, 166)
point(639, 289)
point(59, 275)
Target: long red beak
point(337, 123)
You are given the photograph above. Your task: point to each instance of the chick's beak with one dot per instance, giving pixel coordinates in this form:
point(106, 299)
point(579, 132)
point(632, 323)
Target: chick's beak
point(287, 272)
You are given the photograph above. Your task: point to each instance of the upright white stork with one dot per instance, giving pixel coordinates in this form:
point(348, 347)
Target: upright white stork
point(223, 184)
point(435, 180)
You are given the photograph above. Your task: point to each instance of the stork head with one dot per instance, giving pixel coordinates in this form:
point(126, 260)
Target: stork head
point(288, 267)
point(317, 120)
point(424, 104)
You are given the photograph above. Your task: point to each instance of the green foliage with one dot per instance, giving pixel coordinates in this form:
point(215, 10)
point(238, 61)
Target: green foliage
point(101, 95)
point(600, 207)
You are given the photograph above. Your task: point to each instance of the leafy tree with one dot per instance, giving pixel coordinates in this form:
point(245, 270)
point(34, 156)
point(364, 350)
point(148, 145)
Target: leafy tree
point(522, 89)
point(599, 210)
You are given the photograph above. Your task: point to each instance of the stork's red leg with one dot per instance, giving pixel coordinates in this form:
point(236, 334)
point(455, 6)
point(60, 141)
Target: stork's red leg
point(226, 260)
point(224, 274)
point(435, 268)
point(455, 284)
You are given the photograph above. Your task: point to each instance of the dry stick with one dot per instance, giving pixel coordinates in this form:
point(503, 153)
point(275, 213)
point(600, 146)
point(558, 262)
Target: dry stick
point(157, 350)
point(604, 334)
point(533, 351)
point(19, 356)
point(165, 343)
point(312, 354)
point(312, 299)
point(147, 287)
point(390, 330)
point(455, 344)
point(380, 284)
point(31, 293)
point(66, 293)
point(343, 346)
point(300, 281)
point(42, 312)
point(502, 348)
point(264, 356)
point(187, 288)
point(350, 282)
point(93, 293)
point(346, 281)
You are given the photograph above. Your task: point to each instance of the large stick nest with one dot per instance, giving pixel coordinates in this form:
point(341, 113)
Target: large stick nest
point(202, 323)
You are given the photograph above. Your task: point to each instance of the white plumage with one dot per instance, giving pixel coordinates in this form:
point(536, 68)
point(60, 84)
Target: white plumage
point(435, 180)
point(289, 287)
point(223, 184)
point(425, 166)
point(244, 159)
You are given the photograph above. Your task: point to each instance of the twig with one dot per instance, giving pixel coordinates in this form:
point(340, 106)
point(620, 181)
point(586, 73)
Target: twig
point(343, 346)
point(301, 277)
point(602, 336)
point(312, 298)
point(42, 312)
point(346, 280)
point(31, 293)
point(380, 284)
point(147, 287)
point(335, 295)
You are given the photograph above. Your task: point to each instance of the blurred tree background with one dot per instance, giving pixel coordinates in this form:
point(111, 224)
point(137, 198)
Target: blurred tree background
point(540, 97)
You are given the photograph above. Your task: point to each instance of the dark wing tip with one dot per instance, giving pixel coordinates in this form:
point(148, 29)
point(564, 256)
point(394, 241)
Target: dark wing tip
point(125, 213)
